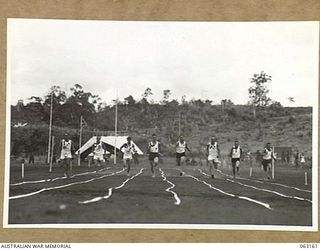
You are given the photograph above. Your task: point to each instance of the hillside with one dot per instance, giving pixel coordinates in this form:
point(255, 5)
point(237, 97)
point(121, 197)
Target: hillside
point(282, 126)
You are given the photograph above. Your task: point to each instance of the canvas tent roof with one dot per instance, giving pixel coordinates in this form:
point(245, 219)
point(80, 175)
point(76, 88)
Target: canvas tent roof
point(110, 141)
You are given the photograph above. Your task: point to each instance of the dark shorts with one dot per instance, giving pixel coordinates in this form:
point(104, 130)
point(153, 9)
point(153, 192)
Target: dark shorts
point(265, 164)
point(234, 161)
point(153, 155)
point(179, 155)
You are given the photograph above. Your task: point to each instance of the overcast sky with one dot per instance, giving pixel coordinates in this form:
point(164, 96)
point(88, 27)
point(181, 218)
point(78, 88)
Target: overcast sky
point(213, 60)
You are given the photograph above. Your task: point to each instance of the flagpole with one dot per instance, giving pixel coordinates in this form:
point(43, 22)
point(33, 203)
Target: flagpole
point(50, 128)
point(272, 163)
point(180, 124)
point(115, 131)
point(51, 156)
point(80, 140)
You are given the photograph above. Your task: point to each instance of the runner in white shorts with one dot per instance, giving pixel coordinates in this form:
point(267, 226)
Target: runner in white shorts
point(213, 153)
point(236, 154)
point(128, 150)
point(181, 147)
point(154, 152)
point(98, 151)
point(267, 157)
point(66, 149)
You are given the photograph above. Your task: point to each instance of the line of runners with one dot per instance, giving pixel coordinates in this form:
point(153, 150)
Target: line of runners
point(154, 152)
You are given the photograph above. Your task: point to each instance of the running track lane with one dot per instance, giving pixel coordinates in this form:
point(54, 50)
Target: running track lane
point(99, 198)
point(57, 178)
point(63, 186)
point(175, 195)
point(262, 189)
point(265, 205)
point(271, 183)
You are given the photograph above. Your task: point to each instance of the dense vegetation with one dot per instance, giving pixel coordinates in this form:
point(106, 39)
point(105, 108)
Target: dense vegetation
point(253, 125)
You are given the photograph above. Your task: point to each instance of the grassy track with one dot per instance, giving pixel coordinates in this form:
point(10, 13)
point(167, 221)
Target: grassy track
point(143, 199)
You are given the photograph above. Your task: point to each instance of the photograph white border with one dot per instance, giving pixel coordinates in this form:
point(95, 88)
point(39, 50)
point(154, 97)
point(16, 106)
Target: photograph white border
point(315, 166)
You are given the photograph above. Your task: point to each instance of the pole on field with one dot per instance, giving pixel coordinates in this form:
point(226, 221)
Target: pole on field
point(179, 123)
point(305, 178)
point(51, 157)
point(250, 172)
point(50, 128)
point(80, 141)
point(115, 131)
point(272, 163)
point(22, 169)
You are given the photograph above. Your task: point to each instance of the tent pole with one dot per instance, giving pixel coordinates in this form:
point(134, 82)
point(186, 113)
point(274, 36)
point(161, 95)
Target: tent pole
point(80, 139)
point(115, 131)
point(50, 128)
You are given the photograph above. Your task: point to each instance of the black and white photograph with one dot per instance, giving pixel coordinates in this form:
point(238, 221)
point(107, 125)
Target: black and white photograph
point(162, 124)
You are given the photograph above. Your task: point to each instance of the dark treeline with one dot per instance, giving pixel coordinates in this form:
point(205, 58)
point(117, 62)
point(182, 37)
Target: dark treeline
point(139, 117)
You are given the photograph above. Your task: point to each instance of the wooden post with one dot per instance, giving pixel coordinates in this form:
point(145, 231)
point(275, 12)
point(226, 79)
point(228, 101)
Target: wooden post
point(272, 163)
point(80, 141)
point(179, 124)
point(250, 172)
point(22, 169)
point(305, 178)
point(50, 128)
point(115, 131)
point(51, 157)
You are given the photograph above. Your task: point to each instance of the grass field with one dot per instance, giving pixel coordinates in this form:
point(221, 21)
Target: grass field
point(109, 196)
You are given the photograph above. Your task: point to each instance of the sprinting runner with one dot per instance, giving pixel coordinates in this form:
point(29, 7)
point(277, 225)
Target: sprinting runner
point(213, 153)
point(153, 151)
point(181, 147)
point(235, 154)
point(98, 151)
point(67, 151)
point(128, 150)
point(267, 157)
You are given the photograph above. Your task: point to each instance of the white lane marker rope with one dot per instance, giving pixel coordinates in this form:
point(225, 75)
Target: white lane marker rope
point(175, 195)
point(270, 191)
point(260, 189)
point(265, 205)
point(64, 186)
point(99, 198)
point(271, 183)
point(57, 178)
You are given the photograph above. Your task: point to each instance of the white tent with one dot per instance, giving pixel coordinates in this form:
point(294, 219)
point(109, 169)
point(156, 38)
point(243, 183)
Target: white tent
point(109, 141)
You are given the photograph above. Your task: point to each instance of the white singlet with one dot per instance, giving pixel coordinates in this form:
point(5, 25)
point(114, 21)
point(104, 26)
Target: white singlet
point(213, 151)
point(181, 147)
point(128, 151)
point(66, 149)
point(98, 151)
point(267, 154)
point(154, 148)
point(236, 152)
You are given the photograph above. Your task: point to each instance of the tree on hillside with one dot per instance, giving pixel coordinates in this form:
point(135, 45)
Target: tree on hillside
point(59, 97)
point(184, 100)
point(147, 93)
point(36, 99)
point(130, 100)
point(144, 101)
point(80, 103)
point(166, 95)
point(20, 105)
point(34, 109)
point(258, 92)
point(223, 107)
